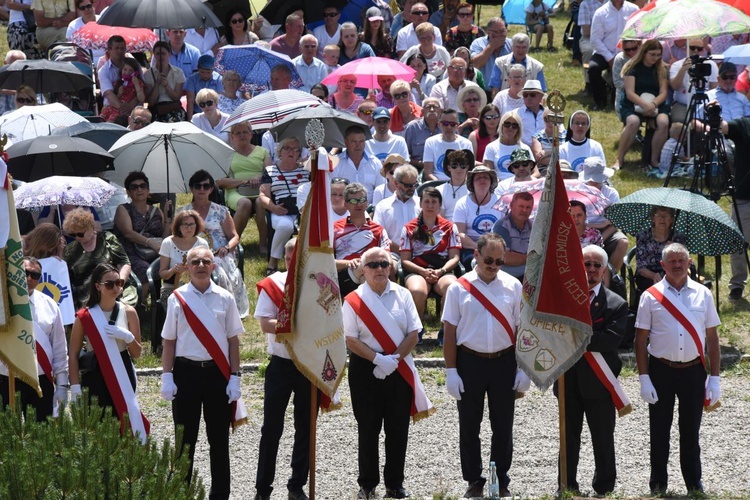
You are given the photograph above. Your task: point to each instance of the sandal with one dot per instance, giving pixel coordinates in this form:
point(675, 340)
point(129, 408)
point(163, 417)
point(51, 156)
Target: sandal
point(270, 271)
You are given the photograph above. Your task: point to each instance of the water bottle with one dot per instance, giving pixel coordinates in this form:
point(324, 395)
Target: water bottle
point(494, 488)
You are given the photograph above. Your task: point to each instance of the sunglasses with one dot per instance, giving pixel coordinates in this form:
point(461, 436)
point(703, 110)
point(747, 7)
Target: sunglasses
point(488, 261)
point(374, 265)
point(110, 284)
point(201, 262)
point(420, 13)
point(402, 95)
point(409, 186)
point(696, 47)
point(205, 104)
point(357, 201)
point(524, 163)
point(367, 112)
point(78, 235)
point(138, 121)
point(597, 265)
point(331, 14)
point(138, 187)
point(188, 224)
point(86, 7)
point(25, 100)
point(35, 275)
point(472, 99)
point(202, 186)
point(457, 166)
point(728, 77)
point(237, 20)
point(510, 125)
point(449, 124)
point(630, 49)
point(464, 14)
point(491, 117)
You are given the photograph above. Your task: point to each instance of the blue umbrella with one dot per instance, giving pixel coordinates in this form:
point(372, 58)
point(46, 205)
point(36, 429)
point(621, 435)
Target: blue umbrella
point(254, 64)
point(738, 54)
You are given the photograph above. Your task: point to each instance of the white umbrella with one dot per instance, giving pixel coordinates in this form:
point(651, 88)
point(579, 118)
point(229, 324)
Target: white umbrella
point(266, 110)
point(169, 153)
point(64, 190)
point(30, 122)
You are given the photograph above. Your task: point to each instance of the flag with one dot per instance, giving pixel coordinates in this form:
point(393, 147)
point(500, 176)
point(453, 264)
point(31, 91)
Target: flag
point(310, 320)
point(17, 342)
point(555, 315)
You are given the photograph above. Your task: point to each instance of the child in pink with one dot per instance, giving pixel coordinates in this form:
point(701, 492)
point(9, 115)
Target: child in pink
point(129, 87)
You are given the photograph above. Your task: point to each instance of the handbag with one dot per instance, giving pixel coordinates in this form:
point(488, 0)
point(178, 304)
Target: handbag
point(28, 18)
point(145, 252)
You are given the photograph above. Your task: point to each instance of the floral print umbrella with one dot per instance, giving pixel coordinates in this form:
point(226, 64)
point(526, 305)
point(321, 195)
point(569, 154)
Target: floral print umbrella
point(94, 36)
point(686, 19)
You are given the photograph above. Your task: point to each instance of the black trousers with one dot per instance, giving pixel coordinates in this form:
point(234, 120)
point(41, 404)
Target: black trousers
point(688, 385)
point(29, 397)
point(377, 404)
point(495, 378)
point(281, 379)
point(204, 388)
point(93, 380)
point(599, 91)
point(600, 417)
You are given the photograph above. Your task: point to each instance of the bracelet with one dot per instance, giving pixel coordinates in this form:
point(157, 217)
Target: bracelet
point(236, 374)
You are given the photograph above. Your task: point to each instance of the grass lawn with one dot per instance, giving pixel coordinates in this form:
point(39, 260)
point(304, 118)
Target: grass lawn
point(563, 76)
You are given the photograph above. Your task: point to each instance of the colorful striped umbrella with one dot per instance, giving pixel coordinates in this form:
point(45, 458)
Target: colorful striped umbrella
point(686, 19)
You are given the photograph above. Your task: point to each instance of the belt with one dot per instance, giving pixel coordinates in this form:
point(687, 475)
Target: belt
point(486, 355)
point(200, 364)
point(679, 364)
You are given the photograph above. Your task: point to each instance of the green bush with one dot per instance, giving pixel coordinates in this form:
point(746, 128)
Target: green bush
point(82, 455)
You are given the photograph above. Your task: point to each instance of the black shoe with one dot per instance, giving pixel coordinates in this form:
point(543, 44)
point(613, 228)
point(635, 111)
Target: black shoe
point(505, 493)
point(658, 491)
point(396, 493)
point(475, 490)
point(366, 493)
point(298, 495)
point(735, 294)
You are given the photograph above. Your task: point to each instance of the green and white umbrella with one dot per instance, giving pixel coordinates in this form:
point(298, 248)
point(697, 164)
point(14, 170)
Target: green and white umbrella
point(708, 230)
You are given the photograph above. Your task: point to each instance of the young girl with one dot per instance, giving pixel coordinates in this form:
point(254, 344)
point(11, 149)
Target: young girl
point(129, 87)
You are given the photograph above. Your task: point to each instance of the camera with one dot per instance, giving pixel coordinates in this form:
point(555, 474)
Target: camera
point(699, 67)
point(713, 115)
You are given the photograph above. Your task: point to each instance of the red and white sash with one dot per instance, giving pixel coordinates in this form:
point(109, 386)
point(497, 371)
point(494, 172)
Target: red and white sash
point(383, 327)
point(688, 321)
point(487, 303)
point(43, 352)
point(212, 335)
point(605, 375)
point(113, 369)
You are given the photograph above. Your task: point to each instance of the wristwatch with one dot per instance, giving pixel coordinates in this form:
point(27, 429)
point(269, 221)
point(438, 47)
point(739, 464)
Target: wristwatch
point(236, 374)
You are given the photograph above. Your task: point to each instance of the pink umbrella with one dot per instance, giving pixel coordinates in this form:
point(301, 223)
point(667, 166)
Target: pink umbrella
point(368, 69)
point(590, 196)
point(94, 36)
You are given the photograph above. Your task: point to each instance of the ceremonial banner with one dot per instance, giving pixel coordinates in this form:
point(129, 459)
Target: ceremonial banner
point(55, 284)
point(310, 320)
point(17, 340)
point(555, 316)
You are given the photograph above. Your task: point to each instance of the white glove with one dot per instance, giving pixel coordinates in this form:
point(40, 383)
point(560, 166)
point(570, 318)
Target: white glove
point(379, 373)
point(75, 392)
point(61, 395)
point(522, 382)
point(168, 387)
point(648, 392)
point(387, 363)
point(233, 388)
point(713, 390)
point(119, 333)
point(453, 383)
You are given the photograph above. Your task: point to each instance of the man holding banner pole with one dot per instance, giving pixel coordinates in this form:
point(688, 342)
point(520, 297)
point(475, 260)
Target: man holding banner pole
point(678, 318)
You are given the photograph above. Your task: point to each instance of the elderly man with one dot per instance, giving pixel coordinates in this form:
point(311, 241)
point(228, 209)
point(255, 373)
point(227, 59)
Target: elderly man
point(51, 351)
point(418, 131)
point(384, 142)
point(52, 18)
point(519, 55)
point(481, 313)
point(365, 110)
point(395, 211)
point(356, 165)
point(288, 43)
point(678, 318)
point(330, 31)
point(184, 55)
point(381, 325)
point(201, 365)
point(591, 385)
point(515, 229)
point(446, 91)
point(532, 111)
point(311, 69)
point(139, 118)
point(733, 104)
point(204, 78)
point(436, 146)
point(281, 379)
point(407, 36)
point(486, 49)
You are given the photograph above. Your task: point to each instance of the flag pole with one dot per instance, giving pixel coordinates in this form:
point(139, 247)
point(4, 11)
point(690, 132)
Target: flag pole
point(313, 431)
point(563, 441)
point(11, 388)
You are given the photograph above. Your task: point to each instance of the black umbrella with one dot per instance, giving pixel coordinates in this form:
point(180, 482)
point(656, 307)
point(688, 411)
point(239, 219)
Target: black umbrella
point(276, 11)
point(46, 156)
point(44, 76)
point(222, 7)
point(167, 14)
point(102, 134)
point(335, 123)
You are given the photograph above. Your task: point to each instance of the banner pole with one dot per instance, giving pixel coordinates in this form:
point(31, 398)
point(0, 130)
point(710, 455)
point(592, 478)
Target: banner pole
point(563, 442)
point(11, 388)
point(313, 430)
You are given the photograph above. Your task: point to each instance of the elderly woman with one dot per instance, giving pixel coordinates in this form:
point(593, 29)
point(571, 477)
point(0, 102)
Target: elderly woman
point(351, 46)
point(497, 154)
point(457, 164)
point(89, 249)
point(436, 56)
point(237, 29)
point(245, 171)
point(278, 195)
point(140, 227)
point(475, 213)
point(511, 98)
point(25, 96)
point(470, 100)
point(423, 81)
point(230, 98)
point(221, 236)
point(345, 99)
point(486, 131)
point(173, 252)
point(210, 120)
point(164, 86)
point(649, 244)
point(405, 110)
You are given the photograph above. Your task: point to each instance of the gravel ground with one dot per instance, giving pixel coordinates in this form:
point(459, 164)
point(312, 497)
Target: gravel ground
point(433, 465)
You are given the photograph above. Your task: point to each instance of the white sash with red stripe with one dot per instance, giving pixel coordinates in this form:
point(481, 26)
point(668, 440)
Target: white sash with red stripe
point(605, 375)
point(43, 352)
point(212, 335)
point(113, 369)
point(388, 334)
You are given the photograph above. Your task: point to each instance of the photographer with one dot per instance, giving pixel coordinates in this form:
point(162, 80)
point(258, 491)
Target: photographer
point(682, 72)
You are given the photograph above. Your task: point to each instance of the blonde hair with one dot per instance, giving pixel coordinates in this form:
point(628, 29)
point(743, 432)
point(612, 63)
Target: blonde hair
point(207, 94)
point(507, 116)
point(425, 28)
point(400, 85)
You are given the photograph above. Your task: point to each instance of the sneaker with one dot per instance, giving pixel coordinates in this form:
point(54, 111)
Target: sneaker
point(735, 294)
point(653, 172)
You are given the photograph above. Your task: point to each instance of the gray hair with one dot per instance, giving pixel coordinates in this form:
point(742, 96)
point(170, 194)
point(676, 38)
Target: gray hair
point(353, 188)
point(674, 248)
point(596, 250)
point(405, 170)
point(495, 20)
point(286, 140)
point(371, 253)
point(517, 67)
point(308, 38)
point(520, 38)
point(33, 261)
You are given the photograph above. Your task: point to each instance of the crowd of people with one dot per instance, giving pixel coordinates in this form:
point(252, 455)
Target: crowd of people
point(438, 202)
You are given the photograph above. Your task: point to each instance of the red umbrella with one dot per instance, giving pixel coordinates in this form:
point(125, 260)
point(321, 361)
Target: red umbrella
point(94, 36)
point(367, 70)
point(590, 196)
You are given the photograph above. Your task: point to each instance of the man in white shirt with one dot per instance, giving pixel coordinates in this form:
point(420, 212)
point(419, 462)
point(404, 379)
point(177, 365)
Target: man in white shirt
point(436, 146)
point(330, 31)
point(395, 211)
point(446, 91)
point(383, 142)
point(206, 40)
point(109, 73)
point(680, 81)
point(311, 69)
point(356, 165)
point(407, 37)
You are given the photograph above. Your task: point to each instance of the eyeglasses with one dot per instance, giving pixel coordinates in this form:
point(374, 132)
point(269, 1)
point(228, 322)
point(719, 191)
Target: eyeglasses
point(205, 104)
point(86, 7)
point(457, 68)
point(309, 46)
point(728, 77)
point(472, 99)
point(696, 47)
point(291, 148)
point(201, 262)
point(516, 77)
point(630, 49)
point(407, 185)
point(420, 13)
point(597, 265)
point(528, 95)
point(357, 201)
point(138, 187)
point(237, 20)
point(402, 95)
point(330, 14)
point(431, 106)
point(110, 284)
point(202, 186)
point(78, 235)
point(456, 166)
point(488, 261)
point(367, 112)
point(382, 264)
point(464, 14)
point(510, 125)
point(138, 121)
point(449, 124)
point(491, 117)
point(188, 224)
point(35, 275)
point(25, 100)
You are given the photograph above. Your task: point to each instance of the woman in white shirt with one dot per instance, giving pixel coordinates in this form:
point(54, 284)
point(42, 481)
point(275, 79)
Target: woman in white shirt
point(211, 120)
